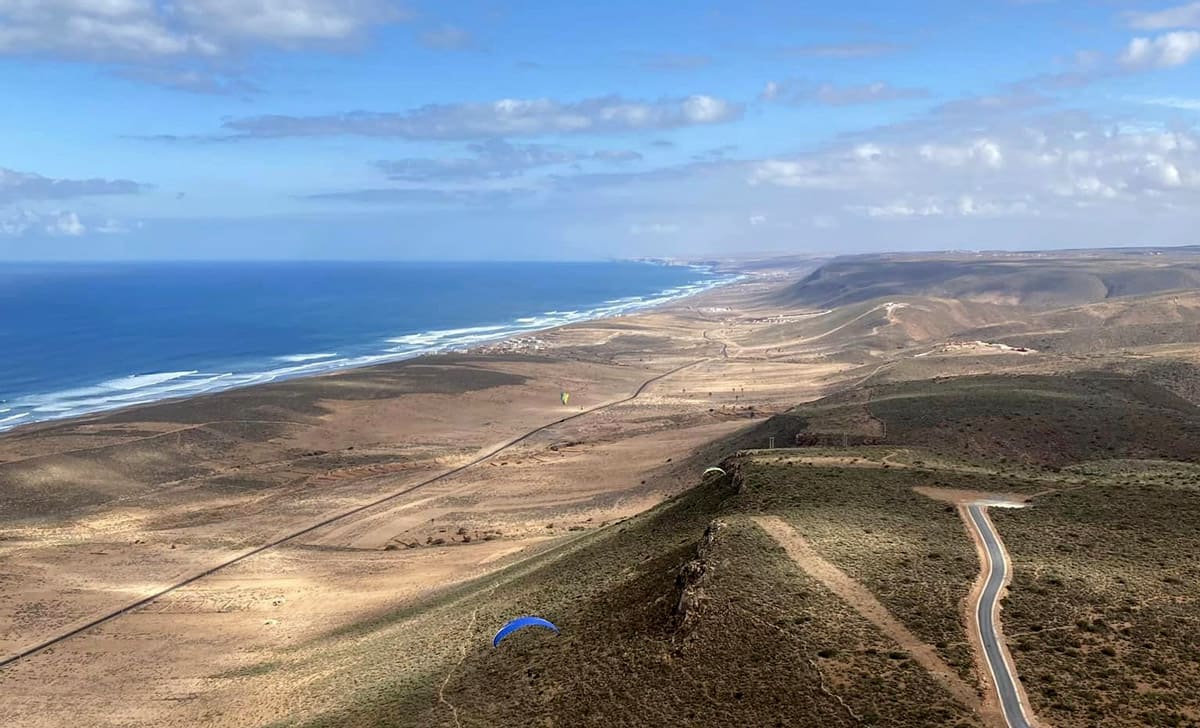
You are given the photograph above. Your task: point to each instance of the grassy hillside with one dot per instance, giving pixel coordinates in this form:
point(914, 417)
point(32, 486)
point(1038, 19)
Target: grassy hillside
point(760, 643)
point(1105, 604)
point(1032, 419)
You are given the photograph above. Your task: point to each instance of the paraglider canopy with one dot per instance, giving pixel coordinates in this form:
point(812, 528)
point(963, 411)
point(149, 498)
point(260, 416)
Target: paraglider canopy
point(522, 623)
point(712, 471)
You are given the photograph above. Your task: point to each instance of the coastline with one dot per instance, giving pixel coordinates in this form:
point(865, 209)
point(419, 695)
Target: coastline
point(175, 387)
point(377, 481)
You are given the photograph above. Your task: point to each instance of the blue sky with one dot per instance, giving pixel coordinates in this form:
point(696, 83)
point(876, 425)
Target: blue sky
point(379, 129)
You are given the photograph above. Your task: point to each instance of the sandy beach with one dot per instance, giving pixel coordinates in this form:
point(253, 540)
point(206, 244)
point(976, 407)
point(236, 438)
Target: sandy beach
point(103, 512)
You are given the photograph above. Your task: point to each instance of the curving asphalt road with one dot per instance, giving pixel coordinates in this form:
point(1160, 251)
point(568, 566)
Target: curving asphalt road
point(986, 610)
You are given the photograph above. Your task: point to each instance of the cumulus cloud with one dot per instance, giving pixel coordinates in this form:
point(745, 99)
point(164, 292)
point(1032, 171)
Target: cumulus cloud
point(145, 29)
point(1164, 51)
point(162, 42)
point(23, 186)
point(20, 222)
point(96, 28)
point(1179, 16)
point(806, 92)
point(65, 223)
point(1022, 171)
point(284, 22)
point(502, 118)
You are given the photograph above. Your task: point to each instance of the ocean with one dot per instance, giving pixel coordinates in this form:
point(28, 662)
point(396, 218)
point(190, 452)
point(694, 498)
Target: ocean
point(83, 338)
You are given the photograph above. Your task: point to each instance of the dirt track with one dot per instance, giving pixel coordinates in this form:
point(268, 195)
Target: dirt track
point(356, 511)
point(865, 603)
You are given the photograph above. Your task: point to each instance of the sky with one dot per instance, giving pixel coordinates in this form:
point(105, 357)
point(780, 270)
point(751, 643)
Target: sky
point(523, 129)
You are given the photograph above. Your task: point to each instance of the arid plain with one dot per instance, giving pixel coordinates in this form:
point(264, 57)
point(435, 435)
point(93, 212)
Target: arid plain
point(370, 529)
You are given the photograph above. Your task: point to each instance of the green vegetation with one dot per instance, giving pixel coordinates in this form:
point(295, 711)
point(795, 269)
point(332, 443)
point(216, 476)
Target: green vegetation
point(1105, 602)
point(765, 644)
point(1025, 420)
point(1102, 611)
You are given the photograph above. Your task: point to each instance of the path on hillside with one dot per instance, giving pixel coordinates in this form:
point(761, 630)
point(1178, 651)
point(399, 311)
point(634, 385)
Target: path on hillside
point(864, 602)
point(483, 457)
point(996, 571)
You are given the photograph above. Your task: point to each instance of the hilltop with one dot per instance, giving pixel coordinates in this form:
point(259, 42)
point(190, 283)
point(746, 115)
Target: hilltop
point(1037, 280)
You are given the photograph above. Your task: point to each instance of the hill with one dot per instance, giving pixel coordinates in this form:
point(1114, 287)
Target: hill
point(1035, 280)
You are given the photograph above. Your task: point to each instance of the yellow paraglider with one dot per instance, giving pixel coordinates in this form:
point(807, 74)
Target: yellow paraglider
point(565, 396)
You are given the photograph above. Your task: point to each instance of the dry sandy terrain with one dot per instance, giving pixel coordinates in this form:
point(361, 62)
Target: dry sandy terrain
point(102, 512)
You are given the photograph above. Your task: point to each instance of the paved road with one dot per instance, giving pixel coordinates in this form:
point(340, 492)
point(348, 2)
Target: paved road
point(986, 610)
point(108, 617)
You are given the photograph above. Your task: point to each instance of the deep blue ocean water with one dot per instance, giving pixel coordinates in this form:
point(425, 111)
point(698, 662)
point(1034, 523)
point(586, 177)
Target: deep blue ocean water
point(79, 338)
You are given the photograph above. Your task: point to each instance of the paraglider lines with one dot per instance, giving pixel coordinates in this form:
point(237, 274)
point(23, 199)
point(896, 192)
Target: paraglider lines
point(461, 657)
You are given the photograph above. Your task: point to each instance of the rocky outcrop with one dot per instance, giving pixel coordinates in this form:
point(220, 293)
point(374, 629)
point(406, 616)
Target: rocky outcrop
point(692, 576)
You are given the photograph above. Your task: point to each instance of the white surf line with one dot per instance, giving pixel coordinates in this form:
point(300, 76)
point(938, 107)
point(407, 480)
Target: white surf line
point(997, 571)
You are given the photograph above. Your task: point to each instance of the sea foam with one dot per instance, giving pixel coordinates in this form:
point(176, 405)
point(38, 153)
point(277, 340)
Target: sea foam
point(137, 389)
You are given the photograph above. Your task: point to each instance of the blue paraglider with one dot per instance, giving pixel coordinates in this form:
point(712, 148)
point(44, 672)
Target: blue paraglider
point(522, 623)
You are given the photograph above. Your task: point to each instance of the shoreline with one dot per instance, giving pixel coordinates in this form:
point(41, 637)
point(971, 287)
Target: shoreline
point(433, 342)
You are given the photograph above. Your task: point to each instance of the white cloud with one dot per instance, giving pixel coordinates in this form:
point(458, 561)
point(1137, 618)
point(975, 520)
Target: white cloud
point(983, 152)
point(286, 21)
point(128, 29)
point(95, 28)
point(784, 173)
point(806, 92)
point(19, 222)
point(1172, 102)
point(113, 227)
point(1020, 172)
point(505, 117)
point(65, 223)
point(1179, 16)
point(1163, 51)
